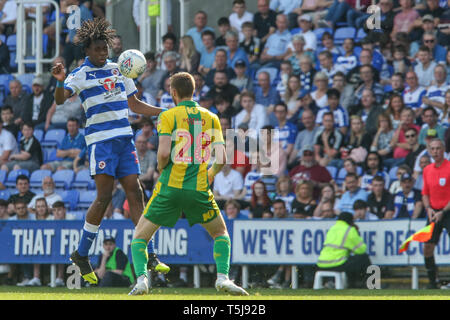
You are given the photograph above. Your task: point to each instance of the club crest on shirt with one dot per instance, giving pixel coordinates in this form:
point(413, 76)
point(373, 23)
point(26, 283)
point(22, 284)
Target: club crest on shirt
point(442, 182)
point(102, 165)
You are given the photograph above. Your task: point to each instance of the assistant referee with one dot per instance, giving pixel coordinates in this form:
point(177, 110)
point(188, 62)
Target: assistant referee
point(436, 199)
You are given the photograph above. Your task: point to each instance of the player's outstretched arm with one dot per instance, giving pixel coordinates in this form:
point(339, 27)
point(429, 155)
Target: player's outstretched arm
point(143, 108)
point(59, 74)
point(221, 160)
point(164, 150)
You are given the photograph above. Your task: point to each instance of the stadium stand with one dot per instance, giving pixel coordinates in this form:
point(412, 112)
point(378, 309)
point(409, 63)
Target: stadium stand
point(10, 182)
point(63, 178)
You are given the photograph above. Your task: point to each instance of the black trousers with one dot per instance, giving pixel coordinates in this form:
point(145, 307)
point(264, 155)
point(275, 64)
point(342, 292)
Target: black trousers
point(355, 267)
point(111, 279)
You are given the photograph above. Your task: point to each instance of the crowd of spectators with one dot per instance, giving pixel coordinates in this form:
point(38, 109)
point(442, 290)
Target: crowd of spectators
point(351, 120)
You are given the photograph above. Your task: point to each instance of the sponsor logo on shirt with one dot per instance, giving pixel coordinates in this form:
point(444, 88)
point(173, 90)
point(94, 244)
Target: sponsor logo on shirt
point(110, 86)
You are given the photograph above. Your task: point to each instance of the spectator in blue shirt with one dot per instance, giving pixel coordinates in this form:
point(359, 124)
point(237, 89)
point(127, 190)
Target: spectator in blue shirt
point(209, 53)
point(439, 52)
point(288, 7)
point(200, 21)
point(287, 131)
point(353, 193)
point(221, 64)
point(378, 60)
point(348, 60)
point(234, 52)
point(232, 210)
point(276, 48)
point(265, 94)
point(341, 119)
point(69, 149)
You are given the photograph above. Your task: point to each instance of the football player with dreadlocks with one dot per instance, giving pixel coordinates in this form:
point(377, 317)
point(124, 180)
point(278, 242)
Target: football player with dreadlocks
point(106, 96)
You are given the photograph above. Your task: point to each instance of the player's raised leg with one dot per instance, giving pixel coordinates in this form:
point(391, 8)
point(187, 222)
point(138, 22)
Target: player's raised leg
point(104, 184)
point(222, 249)
point(135, 196)
point(145, 229)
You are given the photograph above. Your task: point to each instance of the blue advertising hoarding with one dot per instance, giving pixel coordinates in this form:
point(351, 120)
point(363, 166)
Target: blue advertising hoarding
point(256, 241)
point(53, 241)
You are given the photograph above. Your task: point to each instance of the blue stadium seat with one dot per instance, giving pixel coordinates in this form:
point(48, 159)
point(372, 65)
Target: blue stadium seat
point(29, 66)
point(12, 61)
point(37, 176)
point(359, 171)
point(320, 31)
point(361, 34)
point(39, 134)
point(50, 154)
point(78, 215)
point(44, 43)
point(26, 79)
point(3, 38)
point(295, 31)
point(27, 89)
point(19, 136)
point(332, 171)
point(4, 81)
point(273, 72)
point(341, 24)
point(63, 178)
point(343, 33)
point(11, 42)
point(10, 182)
point(342, 173)
point(2, 94)
point(82, 180)
point(53, 138)
point(393, 174)
point(3, 175)
point(86, 198)
point(70, 198)
point(4, 194)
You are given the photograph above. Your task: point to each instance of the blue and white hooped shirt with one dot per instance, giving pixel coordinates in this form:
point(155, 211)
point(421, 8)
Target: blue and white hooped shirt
point(104, 95)
point(437, 94)
point(413, 99)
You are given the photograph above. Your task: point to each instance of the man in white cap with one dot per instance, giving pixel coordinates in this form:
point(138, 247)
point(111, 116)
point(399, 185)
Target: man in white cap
point(37, 104)
point(305, 23)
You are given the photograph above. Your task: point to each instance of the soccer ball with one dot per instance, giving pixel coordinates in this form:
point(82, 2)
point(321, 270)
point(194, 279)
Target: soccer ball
point(132, 63)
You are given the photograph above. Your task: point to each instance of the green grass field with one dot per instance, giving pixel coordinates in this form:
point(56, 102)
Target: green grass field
point(45, 293)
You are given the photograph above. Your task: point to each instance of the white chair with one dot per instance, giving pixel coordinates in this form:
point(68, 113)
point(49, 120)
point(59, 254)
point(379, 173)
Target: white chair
point(340, 279)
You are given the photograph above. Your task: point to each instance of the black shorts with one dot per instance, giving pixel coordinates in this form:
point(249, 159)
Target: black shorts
point(444, 223)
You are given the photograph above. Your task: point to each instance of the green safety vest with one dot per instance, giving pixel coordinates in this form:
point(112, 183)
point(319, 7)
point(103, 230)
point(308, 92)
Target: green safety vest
point(111, 264)
point(153, 9)
point(341, 240)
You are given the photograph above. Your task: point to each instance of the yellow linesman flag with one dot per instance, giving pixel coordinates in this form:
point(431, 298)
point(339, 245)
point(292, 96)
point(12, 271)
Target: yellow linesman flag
point(423, 235)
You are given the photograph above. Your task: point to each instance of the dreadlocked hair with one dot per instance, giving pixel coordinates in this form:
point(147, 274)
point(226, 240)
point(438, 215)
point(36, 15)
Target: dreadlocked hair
point(93, 30)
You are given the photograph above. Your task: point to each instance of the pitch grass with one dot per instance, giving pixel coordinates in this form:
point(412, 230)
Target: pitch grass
point(45, 293)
